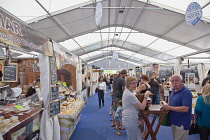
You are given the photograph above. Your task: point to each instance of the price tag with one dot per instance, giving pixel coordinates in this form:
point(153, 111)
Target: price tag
point(54, 108)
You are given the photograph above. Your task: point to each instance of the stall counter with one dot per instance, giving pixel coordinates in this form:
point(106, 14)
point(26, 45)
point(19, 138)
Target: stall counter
point(68, 119)
point(27, 129)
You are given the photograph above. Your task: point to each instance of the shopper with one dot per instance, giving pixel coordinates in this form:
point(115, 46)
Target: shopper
point(87, 80)
point(131, 109)
point(202, 109)
point(166, 88)
point(206, 80)
point(101, 90)
point(144, 84)
point(111, 83)
point(117, 118)
point(155, 84)
point(180, 106)
point(118, 88)
point(143, 87)
point(32, 90)
point(108, 81)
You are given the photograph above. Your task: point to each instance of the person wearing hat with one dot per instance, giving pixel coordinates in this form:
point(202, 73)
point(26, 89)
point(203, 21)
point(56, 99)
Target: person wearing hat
point(118, 88)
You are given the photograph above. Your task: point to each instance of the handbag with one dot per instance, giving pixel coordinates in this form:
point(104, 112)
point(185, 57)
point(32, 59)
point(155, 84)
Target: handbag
point(166, 120)
point(96, 90)
point(194, 129)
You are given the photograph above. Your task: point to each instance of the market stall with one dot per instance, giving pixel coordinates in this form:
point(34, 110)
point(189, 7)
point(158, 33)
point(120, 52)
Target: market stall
point(20, 114)
point(59, 72)
point(69, 88)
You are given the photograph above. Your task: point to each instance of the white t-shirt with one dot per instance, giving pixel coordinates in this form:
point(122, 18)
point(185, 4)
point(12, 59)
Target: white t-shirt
point(128, 101)
point(102, 86)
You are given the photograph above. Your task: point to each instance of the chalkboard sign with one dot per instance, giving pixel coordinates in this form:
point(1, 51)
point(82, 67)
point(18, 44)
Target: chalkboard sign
point(53, 70)
point(10, 73)
point(54, 91)
point(54, 108)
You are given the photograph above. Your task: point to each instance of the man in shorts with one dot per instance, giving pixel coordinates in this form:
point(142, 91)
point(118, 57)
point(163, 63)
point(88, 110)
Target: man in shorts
point(118, 88)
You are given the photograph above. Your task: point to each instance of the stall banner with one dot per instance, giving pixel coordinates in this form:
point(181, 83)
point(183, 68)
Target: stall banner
point(64, 56)
point(16, 33)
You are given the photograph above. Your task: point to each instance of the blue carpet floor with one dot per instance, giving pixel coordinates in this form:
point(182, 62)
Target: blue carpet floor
point(95, 124)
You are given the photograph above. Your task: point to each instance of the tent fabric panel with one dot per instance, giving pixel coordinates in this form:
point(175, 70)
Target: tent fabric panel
point(180, 51)
point(49, 28)
point(162, 45)
point(131, 12)
point(141, 39)
point(202, 43)
point(113, 65)
point(70, 45)
point(185, 33)
point(159, 21)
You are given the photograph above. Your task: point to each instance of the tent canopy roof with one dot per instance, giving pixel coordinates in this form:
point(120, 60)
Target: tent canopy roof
point(142, 32)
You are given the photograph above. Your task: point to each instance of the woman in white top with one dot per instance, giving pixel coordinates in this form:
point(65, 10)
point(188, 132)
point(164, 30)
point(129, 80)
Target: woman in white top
point(101, 90)
point(166, 88)
point(131, 108)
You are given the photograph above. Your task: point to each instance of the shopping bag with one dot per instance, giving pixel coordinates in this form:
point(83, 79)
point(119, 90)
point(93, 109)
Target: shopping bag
point(194, 129)
point(166, 120)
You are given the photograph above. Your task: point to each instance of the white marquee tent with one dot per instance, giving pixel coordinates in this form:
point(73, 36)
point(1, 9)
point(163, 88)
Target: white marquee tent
point(142, 32)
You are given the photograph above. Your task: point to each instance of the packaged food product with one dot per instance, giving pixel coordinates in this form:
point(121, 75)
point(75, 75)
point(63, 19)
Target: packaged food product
point(7, 114)
point(21, 116)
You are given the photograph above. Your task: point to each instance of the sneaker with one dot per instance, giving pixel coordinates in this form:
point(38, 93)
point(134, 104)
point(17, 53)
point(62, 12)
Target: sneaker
point(110, 113)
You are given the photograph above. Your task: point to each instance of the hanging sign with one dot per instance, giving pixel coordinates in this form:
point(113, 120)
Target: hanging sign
point(54, 93)
point(53, 70)
point(115, 56)
point(17, 33)
point(10, 73)
point(98, 13)
point(193, 13)
point(54, 108)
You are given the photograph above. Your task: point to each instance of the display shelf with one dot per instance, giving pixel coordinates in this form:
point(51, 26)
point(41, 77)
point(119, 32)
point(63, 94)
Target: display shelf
point(73, 111)
point(69, 118)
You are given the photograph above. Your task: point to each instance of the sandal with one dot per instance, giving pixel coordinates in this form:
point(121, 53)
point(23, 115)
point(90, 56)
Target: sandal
point(113, 125)
point(118, 133)
point(121, 128)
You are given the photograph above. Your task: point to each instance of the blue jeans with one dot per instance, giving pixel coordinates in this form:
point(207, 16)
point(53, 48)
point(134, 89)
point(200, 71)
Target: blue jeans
point(156, 99)
point(100, 97)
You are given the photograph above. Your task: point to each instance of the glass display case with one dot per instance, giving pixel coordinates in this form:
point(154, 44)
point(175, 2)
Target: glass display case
point(17, 115)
